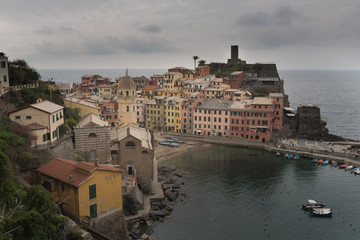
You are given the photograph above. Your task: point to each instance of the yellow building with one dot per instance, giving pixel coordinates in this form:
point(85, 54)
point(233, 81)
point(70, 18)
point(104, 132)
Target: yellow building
point(155, 113)
point(106, 90)
point(169, 80)
point(149, 91)
point(173, 107)
point(82, 189)
point(44, 119)
point(214, 92)
point(86, 106)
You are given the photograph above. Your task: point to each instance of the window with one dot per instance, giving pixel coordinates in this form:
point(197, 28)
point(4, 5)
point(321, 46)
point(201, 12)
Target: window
point(128, 109)
point(5, 78)
point(92, 135)
point(3, 64)
point(92, 191)
point(53, 118)
point(130, 144)
point(28, 117)
point(17, 117)
point(93, 211)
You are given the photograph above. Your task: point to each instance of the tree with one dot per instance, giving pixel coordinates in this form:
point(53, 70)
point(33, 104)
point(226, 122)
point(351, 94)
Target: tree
point(20, 73)
point(195, 58)
point(202, 63)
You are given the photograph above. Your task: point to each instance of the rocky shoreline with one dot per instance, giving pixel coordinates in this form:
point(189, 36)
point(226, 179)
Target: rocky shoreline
point(173, 185)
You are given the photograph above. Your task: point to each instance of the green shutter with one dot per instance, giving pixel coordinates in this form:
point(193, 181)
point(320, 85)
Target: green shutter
point(44, 137)
point(93, 211)
point(92, 191)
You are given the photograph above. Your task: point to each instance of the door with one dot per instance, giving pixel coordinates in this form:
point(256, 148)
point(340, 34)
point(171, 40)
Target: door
point(92, 155)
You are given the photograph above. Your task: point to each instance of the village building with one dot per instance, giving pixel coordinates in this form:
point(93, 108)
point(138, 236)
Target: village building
point(4, 73)
point(187, 109)
point(106, 90)
point(85, 103)
point(82, 189)
point(212, 118)
point(132, 149)
point(278, 105)
point(141, 82)
point(92, 139)
point(252, 119)
point(140, 111)
point(202, 71)
point(149, 92)
point(155, 113)
point(172, 114)
point(236, 80)
point(44, 119)
point(157, 80)
point(109, 111)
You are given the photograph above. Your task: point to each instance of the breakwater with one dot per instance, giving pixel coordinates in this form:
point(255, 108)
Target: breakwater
point(340, 157)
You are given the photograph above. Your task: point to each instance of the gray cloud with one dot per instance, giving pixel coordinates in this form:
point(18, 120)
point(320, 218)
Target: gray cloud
point(45, 30)
point(281, 16)
point(66, 29)
point(107, 45)
point(150, 29)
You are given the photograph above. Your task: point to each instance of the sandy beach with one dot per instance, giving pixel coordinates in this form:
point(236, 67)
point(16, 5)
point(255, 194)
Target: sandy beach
point(163, 153)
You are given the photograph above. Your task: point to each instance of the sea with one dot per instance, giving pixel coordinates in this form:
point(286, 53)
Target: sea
point(238, 193)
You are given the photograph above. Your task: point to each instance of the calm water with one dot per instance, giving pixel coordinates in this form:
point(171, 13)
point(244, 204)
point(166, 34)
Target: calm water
point(336, 92)
point(234, 195)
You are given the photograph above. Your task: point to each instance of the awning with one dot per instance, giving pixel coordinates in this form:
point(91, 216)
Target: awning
point(199, 131)
point(290, 114)
point(288, 109)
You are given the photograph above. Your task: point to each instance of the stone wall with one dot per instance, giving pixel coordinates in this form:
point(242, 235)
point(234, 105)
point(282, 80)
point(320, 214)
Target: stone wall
point(308, 123)
point(111, 225)
point(96, 139)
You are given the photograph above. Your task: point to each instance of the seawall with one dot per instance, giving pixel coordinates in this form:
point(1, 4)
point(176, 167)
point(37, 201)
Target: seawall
point(302, 152)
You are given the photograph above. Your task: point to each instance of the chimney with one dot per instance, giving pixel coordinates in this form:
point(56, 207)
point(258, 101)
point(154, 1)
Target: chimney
point(71, 178)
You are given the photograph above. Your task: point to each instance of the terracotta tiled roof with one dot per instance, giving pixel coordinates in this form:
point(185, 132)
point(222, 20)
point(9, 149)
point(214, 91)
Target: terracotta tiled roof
point(71, 172)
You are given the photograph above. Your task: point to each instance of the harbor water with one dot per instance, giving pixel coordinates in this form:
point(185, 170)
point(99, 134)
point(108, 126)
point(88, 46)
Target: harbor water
point(237, 193)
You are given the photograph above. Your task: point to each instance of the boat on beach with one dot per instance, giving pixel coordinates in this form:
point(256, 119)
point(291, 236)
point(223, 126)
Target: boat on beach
point(278, 154)
point(325, 162)
point(320, 161)
point(355, 169)
point(334, 163)
point(296, 157)
point(314, 160)
point(349, 167)
point(343, 165)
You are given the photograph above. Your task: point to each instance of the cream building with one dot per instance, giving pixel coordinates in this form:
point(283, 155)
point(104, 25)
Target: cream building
point(4, 72)
point(44, 119)
point(126, 99)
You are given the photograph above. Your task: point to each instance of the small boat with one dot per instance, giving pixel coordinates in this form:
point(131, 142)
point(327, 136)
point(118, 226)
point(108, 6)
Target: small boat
point(311, 205)
point(296, 157)
point(325, 162)
point(291, 156)
point(173, 139)
point(357, 171)
point(286, 155)
point(320, 161)
point(174, 144)
point(314, 160)
point(343, 165)
point(321, 212)
point(278, 154)
point(349, 168)
point(354, 169)
point(164, 143)
point(334, 163)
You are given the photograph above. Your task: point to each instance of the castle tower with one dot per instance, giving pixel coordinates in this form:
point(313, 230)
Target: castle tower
point(234, 52)
point(126, 99)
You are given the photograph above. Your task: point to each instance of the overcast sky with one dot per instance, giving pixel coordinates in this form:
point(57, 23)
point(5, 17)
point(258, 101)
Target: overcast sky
point(321, 34)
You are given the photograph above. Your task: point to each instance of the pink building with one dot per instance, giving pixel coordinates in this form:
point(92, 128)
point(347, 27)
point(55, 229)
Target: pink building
point(157, 80)
point(216, 83)
point(278, 104)
point(256, 119)
point(109, 112)
point(236, 80)
point(212, 118)
point(187, 111)
point(140, 111)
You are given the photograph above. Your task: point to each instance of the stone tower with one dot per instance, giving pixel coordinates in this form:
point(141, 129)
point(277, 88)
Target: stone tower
point(126, 99)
